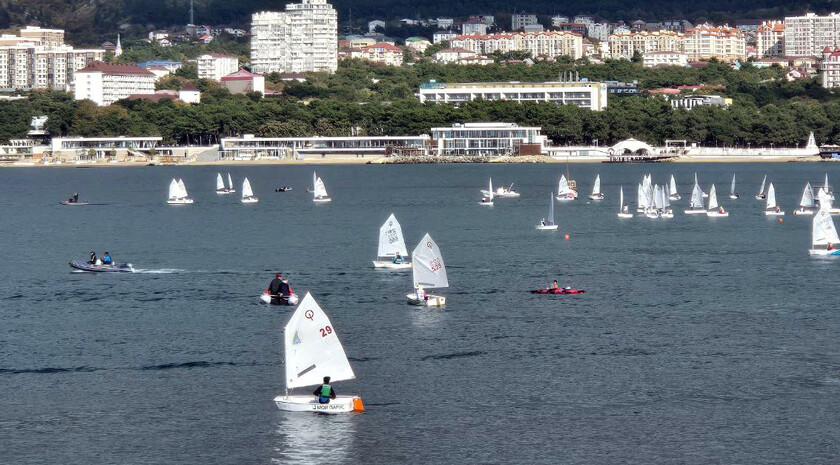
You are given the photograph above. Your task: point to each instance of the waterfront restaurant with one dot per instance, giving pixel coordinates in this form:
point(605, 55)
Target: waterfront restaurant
point(98, 148)
point(249, 147)
point(488, 139)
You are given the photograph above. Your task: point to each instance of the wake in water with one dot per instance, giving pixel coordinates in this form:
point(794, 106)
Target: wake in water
point(159, 271)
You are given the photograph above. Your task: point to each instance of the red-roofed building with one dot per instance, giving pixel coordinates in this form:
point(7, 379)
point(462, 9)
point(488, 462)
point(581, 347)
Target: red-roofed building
point(382, 52)
point(830, 68)
point(244, 81)
point(722, 42)
point(105, 83)
point(550, 43)
point(770, 39)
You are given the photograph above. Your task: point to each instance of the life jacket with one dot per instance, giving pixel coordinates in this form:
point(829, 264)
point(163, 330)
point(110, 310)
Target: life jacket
point(326, 390)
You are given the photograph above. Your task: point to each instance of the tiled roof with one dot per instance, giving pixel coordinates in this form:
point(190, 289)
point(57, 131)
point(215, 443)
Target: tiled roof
point(508, 35)
point(110, 68)
point(241, 75)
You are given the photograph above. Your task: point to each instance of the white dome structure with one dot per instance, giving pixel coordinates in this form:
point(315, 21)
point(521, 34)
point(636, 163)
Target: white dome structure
point(632, 147)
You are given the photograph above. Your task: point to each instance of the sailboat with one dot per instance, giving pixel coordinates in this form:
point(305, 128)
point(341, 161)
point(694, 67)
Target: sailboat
point(487, 200)
point(824, 234)
point(772, 209)
point(807, 203)
point(655, 203)
point(596, 189)
point(667, 211)
point(673, 190)
point(715, 209)
point(314, 181)
point(547, 224)
point(391, 246)
point(732, 194)
point(178, 193)
point(826, 189)
point(230, 184)
point(697, 183)
point(564, 191)
point(642, 199)
point(248, 193)
point(623, 210)
point(320, 192)
point(220, 185)
point(824, 199)
point(428, 272)
point(696, 206)
point(761, 195)
point(313, 351)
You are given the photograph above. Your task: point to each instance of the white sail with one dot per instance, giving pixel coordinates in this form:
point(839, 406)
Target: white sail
point(732, 187)
point(657, 198)
point(220, 183)
point(550, 219)
point(320, 189)
point(313, 349)
point(666, 197)
point(696, 198)
point(620, 199)
point(673, 187)
point(823, 231)
point(427, 264)
point(563, 185)
point(641, 198)
point(490, 188)
point(230, 181)
point(391, 239)
point(807, 200)
point(182, 189)
point(173, 190)
point(824, 198)
point(596, 188)
point(763, 181)
point(771, 198)
point(314, 180)
point(713, 202)
point(246, 189)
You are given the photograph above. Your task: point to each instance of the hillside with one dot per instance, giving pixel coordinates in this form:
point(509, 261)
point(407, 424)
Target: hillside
point(88, 21)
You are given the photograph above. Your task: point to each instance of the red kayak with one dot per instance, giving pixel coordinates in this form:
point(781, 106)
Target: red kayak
point(565, 290)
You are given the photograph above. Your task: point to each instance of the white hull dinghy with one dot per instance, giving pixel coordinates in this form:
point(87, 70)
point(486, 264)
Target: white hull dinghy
point(642, 197)
point(623, 210)
point(314, 351)
point(564, 191)
point(806, 203)
point(220, 185)
point(178, 193)
point(487, 200)
point(248, 193)
point(502, 192)
point(319, 192)
point(547, 224)
point(429, 271)
point(732, 194)
point(673, 190)
point(772, 209)
point(761, 195)
point(667, 211)
point(715, 210)
point(596, 190)
point(824, 240)
point(391, 245)
point(696, 206)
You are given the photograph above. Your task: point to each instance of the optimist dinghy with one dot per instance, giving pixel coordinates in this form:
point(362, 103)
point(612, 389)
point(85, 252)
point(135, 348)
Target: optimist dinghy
point(772, 209)
point(429, 272)
point(547, 224)
point(391, 244)
point(715, 210)
point(696, 207)
point(314, 351)
point(178, 193)
point(623, 209)
point(596, 189)
point(248, 193)
point(806, 203)
point(761, 195)
point(102, 268)
point(824, 240)
point(320, 192)
point(732, 194)
point(673, 190)
point(564, 190)
point(221, 189)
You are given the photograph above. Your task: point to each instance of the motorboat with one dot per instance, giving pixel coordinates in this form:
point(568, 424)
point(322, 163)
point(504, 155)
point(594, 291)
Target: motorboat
point(103, 268)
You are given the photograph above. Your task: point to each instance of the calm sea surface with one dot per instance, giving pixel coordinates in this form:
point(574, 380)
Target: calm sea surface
point(699, 340)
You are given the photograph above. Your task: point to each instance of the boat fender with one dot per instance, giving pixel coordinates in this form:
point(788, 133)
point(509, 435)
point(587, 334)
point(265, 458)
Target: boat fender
point(357, 405)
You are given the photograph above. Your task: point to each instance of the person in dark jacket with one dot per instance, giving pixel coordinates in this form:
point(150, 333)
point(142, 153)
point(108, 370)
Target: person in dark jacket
point(324, 392)
point(92, 258)
point(274, 288)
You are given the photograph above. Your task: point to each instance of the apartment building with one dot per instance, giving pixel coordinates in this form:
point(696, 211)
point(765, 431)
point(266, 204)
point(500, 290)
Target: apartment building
point(830, 67)
point(519, 21)
point(811, 34)
point(592, 95)
point(215, 66)
point(626, 43)
point(105, 83)
point(722, 42)
point(303, 38)
point(39, 59)
point(548, 44)
point(384, 53)
point(664, 58)
point(770, 39)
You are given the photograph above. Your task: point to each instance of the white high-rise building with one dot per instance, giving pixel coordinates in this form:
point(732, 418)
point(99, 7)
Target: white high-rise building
point(215, 66)
point(303, 38)
point(770, 39)
point(105, 83)
point(811, 34)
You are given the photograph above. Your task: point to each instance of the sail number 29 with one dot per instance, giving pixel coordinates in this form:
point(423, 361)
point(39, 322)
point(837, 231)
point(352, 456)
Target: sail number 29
point(435, 265)
point(326, 331)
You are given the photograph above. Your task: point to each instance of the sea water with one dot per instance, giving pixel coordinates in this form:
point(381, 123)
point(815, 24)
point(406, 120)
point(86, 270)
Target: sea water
point(699, 340)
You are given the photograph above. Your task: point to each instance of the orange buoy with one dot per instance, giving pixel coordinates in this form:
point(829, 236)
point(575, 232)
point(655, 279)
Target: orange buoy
point(566, 236)
point(357, 405)
point(781, 220)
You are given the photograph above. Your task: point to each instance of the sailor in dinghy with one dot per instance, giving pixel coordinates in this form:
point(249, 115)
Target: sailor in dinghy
point(314, 353)
point(391, 252)
point(715, 209)
point(807, 204)
point(548, 224)
point(772, 209)
point(428, 271)
point(623, 208)
point(596, 190)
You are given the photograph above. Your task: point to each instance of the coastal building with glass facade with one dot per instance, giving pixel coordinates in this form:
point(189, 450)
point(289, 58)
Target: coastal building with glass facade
point(487, 139)
point(592, 95)
point(248, 147)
